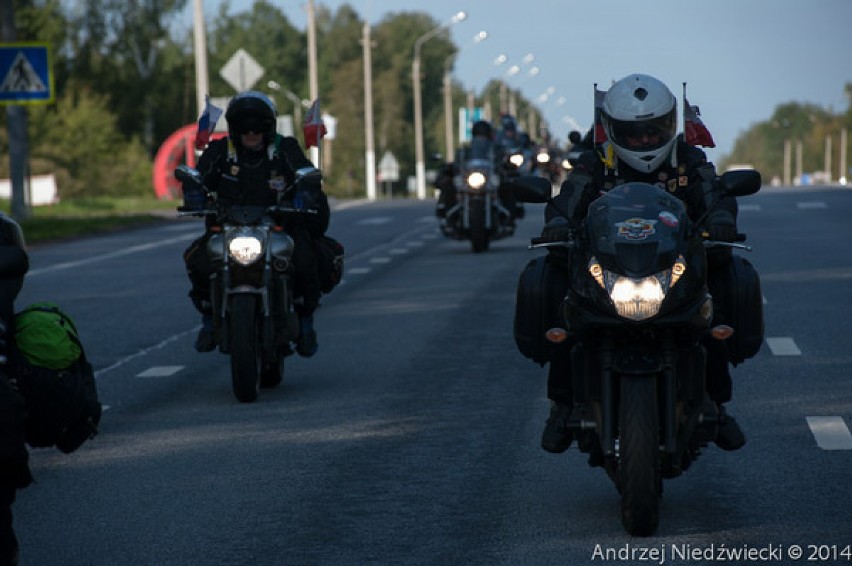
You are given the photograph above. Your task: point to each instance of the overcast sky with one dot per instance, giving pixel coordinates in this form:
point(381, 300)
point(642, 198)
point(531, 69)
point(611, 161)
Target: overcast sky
point(739, 58)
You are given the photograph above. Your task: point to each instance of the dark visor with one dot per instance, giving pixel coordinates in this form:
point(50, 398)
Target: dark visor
point(644, 135)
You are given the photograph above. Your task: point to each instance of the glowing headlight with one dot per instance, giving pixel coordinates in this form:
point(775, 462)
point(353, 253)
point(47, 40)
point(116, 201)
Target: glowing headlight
point(516, 159)
point(476, 180)
point(245, 249)
point(566, 164)
point(542, 157)
point(637, 299)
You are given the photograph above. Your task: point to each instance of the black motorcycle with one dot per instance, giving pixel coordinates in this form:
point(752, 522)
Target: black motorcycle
point(478, 214)
point(630, 318)
point(251, 290)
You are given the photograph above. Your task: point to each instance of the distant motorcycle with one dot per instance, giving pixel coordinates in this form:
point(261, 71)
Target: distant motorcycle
point(631, 317)
point(252, 295)
point(478, 215)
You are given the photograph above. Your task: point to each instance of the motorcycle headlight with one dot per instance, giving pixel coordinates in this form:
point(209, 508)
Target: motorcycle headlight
point(476, 180)
point(543, 157)
point(637, 298)
point(516, 159)
point(566, 164)
point(245, 248)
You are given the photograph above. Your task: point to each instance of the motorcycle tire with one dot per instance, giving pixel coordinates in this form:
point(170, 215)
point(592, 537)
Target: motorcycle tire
point(478, 231)
point(640, 480)
point(244, 334)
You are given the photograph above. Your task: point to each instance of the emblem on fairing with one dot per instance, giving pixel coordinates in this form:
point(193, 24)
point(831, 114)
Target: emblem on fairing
point(636, 228)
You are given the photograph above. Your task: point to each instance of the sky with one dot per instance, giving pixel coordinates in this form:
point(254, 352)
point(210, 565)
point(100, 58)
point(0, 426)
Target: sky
point(740, 58)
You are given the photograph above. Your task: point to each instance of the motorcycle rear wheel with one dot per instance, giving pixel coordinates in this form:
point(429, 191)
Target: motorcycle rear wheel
point(244, 337)
point(639, 463)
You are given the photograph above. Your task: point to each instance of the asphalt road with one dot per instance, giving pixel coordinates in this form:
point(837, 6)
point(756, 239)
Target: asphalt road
point(412, 436)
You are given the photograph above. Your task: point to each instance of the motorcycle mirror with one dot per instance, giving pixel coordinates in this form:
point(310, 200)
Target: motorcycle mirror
point(308, 173)
point(186, 174)
point(530, 188)
point(741, 182)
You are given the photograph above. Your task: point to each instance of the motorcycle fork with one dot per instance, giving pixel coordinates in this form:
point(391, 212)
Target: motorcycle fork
point(669, 409)
point(608, 415)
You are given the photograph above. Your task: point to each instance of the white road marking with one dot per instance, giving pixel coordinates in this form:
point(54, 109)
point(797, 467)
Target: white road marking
point(749, 208)
point(160, 371)
point(374, 221)
point(831, 433)
point(811, 205)
point(117, 253)
point(783, 346)
point(146, 351)
point(358, 270)
point(380, 260)
point(429, 236)
point(414, 244)
point(398, 251)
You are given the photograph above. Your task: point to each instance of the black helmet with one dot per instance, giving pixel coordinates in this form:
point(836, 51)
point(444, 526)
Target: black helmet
point(251, 111)
point(508, 123)
point(481, 128)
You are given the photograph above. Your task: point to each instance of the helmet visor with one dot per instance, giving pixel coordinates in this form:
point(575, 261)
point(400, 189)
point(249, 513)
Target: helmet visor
point(644, 135)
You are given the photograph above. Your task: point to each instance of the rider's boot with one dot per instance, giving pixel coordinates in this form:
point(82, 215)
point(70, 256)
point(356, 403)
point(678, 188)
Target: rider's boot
point(306, 344)
point(729, 435)
point(557, 437)
point(205, 342)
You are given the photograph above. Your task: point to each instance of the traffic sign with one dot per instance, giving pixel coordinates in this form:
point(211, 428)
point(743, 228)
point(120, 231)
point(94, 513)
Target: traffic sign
point(25, 74)
point(388, 167)
point(241, 71)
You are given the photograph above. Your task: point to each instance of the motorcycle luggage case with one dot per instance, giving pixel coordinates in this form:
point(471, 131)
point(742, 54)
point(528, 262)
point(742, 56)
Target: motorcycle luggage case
point(538, 306)
point(739, 303)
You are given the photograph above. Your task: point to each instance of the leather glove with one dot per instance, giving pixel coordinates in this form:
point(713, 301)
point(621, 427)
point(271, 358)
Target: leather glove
point(557, 230)
point(723, 232)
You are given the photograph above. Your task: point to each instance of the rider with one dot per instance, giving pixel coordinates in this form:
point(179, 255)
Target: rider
point(640, 120)
point(481, 133)
point(14, 468)
point(251, 166)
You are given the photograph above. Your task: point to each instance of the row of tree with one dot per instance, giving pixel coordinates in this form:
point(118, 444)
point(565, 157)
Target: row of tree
point(125, 80)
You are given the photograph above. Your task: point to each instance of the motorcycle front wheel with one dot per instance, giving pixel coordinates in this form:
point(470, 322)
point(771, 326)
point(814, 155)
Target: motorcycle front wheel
point(244, 338)
point(639, 462)
point(478, 230)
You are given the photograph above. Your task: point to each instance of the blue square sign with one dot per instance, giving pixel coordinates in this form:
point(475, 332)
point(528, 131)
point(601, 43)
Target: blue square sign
point(25, 74)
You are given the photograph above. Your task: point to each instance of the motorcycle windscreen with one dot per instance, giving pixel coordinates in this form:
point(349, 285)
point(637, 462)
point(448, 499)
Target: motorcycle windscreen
point(479, 155)
point(637, 229)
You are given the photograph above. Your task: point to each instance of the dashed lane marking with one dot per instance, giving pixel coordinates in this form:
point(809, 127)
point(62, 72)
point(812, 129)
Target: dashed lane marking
point(380, 260)
point(831, 433)
point(783, 346)
point(398, 251)
point(374, 221)
point(160, 371)
point(749, 208)
point(811, 205)
point(358, 270)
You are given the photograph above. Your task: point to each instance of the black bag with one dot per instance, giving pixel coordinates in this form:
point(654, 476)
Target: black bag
point(62, 405)
point(738, 302)
point(329, 262)
point(538, 306)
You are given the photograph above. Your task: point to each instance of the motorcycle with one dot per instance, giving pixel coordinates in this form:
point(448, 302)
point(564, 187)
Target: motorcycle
point(632, 316)
point(251, 290)
point(478, 215)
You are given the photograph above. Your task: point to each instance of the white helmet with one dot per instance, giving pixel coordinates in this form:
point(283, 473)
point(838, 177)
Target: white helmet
point(640, 119)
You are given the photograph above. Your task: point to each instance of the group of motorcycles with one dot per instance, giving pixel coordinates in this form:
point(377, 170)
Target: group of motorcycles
point(633, 311)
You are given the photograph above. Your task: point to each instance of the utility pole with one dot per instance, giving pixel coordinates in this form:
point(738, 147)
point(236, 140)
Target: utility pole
point(16, 126)
point(843, 178)
point(312, 69)
point(199, 34)
point(369, 152)
point(788, 148)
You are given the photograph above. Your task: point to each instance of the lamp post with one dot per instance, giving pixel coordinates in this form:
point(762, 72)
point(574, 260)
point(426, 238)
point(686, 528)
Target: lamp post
point(448, 91)
point(420, 165)
point(297, 103)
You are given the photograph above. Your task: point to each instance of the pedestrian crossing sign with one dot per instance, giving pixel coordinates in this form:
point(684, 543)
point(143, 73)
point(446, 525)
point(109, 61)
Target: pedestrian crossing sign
point(25, 74)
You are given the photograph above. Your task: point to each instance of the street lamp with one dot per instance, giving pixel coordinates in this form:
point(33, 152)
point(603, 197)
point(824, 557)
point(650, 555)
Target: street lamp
point(297, 103)
point(448, 91)
point(420, 165)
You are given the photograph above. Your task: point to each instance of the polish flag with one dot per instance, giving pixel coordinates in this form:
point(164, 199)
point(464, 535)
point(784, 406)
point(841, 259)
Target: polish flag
point(206, 123)
point(695, 131)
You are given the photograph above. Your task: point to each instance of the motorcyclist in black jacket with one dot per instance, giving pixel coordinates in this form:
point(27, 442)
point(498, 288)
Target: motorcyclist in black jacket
point(14, 457)
point(252, 166)
point(640, 120)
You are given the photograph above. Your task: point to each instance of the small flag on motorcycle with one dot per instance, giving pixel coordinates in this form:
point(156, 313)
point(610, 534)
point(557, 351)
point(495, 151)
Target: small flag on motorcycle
point(206, 123)
point(694, 130)
point(314, 128)
point(599, 133)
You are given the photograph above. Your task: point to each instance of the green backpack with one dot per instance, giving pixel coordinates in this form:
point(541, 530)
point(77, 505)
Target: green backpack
point(47, 337)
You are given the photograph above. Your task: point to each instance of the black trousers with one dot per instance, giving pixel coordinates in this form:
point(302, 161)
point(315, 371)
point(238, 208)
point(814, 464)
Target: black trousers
point(306, 273)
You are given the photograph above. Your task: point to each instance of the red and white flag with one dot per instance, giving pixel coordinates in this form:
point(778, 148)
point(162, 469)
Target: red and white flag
point(695, 132)
point(600, 133)
point(206, 123)
point(314, 128)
